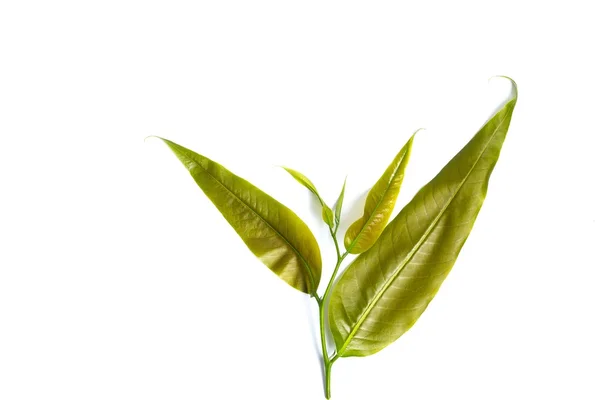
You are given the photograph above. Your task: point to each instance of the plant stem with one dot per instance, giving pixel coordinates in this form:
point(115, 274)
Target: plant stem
point(328, 362)
point(328, 380)
point(340, 258)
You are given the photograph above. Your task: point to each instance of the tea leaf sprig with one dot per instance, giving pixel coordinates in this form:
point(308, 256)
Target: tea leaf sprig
point(400, 265)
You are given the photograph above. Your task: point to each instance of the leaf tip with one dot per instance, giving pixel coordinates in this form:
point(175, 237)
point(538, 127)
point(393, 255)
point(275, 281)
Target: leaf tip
point(415, 134)
point(152, 136)
point(515, 88)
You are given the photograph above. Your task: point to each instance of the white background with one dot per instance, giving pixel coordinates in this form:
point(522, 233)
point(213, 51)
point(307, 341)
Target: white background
point(119, 279)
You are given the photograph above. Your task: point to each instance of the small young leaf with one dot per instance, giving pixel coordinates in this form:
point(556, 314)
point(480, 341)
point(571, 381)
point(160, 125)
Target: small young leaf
point(326, 212)
point(276, 235)
point(385, 290)
point(338, 205)
point(379, 205)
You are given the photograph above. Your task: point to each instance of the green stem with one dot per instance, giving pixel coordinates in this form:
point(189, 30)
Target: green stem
point(322, 327)
point(328, 362)
point(335, 242)
point(328, 380)
point(340, 258)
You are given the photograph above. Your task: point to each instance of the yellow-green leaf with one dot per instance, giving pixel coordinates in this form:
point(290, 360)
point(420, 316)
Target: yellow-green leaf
point(363, 233)
point(277, 236)
point(326, 212)
point(385, 290)
point(338, 205)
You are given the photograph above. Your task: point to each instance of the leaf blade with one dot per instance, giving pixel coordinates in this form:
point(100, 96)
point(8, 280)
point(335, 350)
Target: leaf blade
point(402, 272)
point(379, 205)
point(273, 232)
point(338, 204)
point(326, 212)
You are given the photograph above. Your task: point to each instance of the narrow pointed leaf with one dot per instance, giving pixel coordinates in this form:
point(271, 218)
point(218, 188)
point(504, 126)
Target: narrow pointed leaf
point(338, 205)
point(326, 212)
point(327, 215)
point(276, 235)
point(385, 290)
point(363, 233)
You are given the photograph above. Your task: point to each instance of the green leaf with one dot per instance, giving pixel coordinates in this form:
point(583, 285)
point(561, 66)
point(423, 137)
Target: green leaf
point(385, 290)
point(326, 212)
point(276, 235)
point(363, 233)
point(338, 205)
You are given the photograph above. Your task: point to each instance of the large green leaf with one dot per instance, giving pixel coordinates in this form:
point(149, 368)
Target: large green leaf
point(363, 233)
point(385, 290)
point(326, 212)
point(276, 235)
